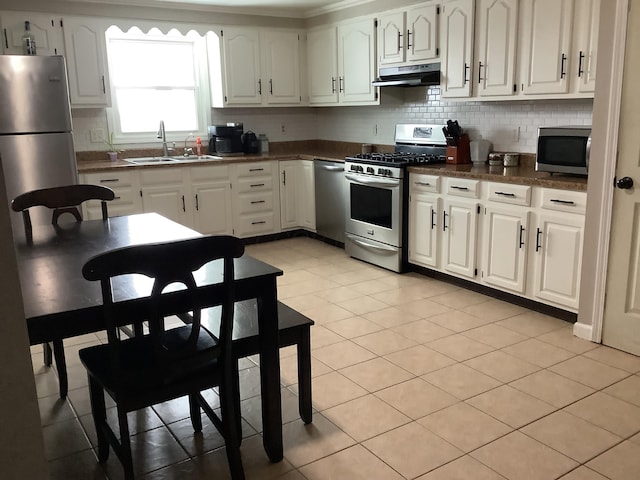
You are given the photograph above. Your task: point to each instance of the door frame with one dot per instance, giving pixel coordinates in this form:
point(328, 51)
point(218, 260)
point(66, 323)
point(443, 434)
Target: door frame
point(606, 121)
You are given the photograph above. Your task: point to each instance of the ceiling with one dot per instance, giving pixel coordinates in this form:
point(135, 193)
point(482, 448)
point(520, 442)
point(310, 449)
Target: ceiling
point(287, 8)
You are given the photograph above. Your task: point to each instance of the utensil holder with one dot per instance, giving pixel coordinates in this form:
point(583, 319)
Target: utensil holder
point(459, 154)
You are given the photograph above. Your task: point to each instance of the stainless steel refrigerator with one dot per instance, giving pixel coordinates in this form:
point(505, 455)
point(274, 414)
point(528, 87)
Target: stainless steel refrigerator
point(36, 144)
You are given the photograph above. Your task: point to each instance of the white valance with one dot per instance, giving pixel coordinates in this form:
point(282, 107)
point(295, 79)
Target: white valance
point(125, 24)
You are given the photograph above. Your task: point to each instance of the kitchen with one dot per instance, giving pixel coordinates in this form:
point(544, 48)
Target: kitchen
point(511, 126)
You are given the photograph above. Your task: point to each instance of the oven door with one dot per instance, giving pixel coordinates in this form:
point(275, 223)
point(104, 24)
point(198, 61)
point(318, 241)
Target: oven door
point(374, 207)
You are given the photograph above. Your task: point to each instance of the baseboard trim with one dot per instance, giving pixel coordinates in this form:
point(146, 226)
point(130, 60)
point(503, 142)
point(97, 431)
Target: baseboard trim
point(583, 330)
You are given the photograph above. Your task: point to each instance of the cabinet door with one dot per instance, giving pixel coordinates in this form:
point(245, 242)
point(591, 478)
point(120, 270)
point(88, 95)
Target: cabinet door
point(457, 48)
point(423, 229)
point(288, 197)
point(497, 22)
point(558, 258)
point(422, 33)
point(85, 45)
point(125, 185)
point(391, 38)
point(546, 37)
point(505, 248)
point(167, 200)
point(356, 62)
point(322, 57)
point(212, 202)
point(460, 225)
point(243, 84)
point(281, 61)
point(46, 29)
point(586, 49)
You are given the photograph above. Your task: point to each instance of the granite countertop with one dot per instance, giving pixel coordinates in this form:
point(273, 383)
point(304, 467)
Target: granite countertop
point(524, 174)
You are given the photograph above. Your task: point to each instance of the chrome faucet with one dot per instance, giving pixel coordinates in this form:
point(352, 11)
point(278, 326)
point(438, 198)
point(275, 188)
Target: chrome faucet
point(163, 135)
point(187, 150)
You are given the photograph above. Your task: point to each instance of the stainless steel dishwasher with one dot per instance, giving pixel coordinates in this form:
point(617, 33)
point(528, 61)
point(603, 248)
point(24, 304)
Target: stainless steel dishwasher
point(331, 199)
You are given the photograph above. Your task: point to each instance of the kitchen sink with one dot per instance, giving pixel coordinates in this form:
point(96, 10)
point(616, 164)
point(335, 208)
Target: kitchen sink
point(176, 159)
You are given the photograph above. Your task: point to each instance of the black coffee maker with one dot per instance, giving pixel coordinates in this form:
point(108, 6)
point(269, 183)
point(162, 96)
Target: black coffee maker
point(226, 140)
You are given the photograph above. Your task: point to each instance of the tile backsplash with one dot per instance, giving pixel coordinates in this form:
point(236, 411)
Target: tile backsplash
point(509, 125)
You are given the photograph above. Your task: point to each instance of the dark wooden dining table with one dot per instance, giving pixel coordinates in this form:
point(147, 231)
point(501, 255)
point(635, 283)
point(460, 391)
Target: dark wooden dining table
point(59, 303)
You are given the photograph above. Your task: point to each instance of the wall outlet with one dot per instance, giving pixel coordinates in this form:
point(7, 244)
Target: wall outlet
point(515, 134)
point(97, 135)
point(375, 130)
point(283, 129)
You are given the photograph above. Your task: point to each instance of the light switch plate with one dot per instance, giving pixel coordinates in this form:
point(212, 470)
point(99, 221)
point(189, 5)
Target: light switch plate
point(97, 135)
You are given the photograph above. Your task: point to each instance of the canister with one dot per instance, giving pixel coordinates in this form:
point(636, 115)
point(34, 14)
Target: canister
point(511, 159)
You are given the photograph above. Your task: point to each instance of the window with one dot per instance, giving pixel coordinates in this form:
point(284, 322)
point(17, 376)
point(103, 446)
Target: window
point(155, 77)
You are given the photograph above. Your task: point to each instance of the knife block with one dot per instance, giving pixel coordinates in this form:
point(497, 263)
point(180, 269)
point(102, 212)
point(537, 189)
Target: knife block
point(459, 154)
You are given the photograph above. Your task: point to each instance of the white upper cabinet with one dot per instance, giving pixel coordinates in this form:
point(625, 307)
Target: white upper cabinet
point(47, 30)
point(260, 67)
point(357, 62)
point(546, 45)
point(457, 48)
point(322, 57)
point(496, 29)
point(86, 54)
point(585, 49)
point(408, 36)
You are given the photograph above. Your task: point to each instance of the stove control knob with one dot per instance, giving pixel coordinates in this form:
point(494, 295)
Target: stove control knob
point(387, 172)
point(360, 168)
point(381, 171)
point(370, 170)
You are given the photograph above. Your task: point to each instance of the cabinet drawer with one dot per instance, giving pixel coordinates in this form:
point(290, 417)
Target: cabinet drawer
point(209, 172)
point(262, 184)
point(424, 183)
point(563, 200)
point(110, 179)
point(507, 193)
point(252, 225)
point(154, 176)
point(258, 202)
point(463, 187)
point(254, 169)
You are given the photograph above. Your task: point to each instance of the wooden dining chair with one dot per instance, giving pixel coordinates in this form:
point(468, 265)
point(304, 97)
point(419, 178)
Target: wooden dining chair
point(165, 363)
point(64, 199)
point(61, 200)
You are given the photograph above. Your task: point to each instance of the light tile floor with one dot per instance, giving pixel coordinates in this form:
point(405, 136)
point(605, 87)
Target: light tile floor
point(413, 378)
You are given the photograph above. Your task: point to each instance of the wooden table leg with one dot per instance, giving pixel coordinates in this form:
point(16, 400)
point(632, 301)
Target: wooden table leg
point(304, 375)
point(270, 372)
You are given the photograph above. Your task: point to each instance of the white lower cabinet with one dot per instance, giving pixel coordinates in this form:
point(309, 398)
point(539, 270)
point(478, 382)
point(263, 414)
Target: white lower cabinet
point(126, 186)
point(526, 241)
point(297, 195)
point(211, 196)
point(254, 198)
point(163, 191)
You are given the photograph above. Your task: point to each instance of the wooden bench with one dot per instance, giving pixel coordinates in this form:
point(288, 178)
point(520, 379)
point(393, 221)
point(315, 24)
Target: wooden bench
point(294, 329)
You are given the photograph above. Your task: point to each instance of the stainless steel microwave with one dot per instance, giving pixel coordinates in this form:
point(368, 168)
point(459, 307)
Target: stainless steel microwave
point(564, 149)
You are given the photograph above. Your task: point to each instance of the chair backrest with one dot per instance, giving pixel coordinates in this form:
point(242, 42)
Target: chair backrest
point(167, 263)
point(61, 200)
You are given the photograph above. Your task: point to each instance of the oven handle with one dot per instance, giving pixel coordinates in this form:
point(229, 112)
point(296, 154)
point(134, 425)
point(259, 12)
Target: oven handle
point(370, 246)
point(373, 181)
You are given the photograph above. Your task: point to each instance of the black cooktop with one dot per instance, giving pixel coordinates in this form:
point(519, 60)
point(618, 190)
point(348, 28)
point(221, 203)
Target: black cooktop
point(399, 159)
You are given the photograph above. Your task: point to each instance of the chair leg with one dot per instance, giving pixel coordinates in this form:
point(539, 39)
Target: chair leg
point(194, 412)
point(125, 445)
point(304, 376)
point(61, 367)
point(99, 412)
point(233, 433)
point(48, 355)
point(235, 394)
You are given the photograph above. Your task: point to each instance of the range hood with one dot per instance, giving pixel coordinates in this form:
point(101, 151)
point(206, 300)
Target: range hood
point(408, 76)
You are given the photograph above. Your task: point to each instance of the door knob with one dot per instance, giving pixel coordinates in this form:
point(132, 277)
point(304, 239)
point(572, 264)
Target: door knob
point(624, 183)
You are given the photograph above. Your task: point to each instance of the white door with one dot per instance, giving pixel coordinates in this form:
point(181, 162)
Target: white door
point(586, 50)
point(546, 38)
point(496, 28)
point(424, 229)
point(460, 226)
point(356, 62)
point(505, 247)
point(621, 326)
point(422, 33)
point(281, 56)
point(167, 200)
point(457, 48)
point(558, 257)
point(322, 59)
point(212, 203)
point(243, 84)
point(46, 29)
point(86, 55)
point(288, 197)
point(391, 38)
